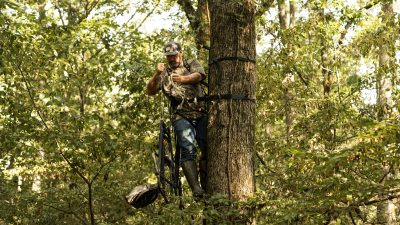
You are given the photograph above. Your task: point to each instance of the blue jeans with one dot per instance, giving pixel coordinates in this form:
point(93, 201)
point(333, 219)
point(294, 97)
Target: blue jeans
point(188, 133)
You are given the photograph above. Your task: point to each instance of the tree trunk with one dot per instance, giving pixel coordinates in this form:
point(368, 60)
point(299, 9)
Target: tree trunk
point(385, 210)
point(286, 20)
point(325, 64)
point(328, 130)
point(37, 179)
point(90, 203)
point(231, 131)
point(383, 79)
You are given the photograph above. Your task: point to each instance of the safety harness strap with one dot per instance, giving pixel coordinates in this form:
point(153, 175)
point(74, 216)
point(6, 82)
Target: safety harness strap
point(229, 96)
point(231, 58)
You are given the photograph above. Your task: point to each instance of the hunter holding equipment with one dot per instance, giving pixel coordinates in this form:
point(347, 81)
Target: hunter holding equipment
point(180, 81)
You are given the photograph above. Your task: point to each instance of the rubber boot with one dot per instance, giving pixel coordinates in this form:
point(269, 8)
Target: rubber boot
point(203, 173)
point(190, 170)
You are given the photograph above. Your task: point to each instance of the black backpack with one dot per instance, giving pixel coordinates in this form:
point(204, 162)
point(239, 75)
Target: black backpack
point(142, 195)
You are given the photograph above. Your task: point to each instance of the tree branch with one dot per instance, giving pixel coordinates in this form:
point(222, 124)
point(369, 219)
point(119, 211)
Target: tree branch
point(371, 202)
point(351, 20)
point(264, 7)
point(385, 174)
point(101, 168)
point(147, 15)
point(359, 214)
point(73, 167)
point(59, 12)
point(190, 13)
point(28, 87)
point(300, 75)
point(352, 218)
point(90, 6)
point(67, 212)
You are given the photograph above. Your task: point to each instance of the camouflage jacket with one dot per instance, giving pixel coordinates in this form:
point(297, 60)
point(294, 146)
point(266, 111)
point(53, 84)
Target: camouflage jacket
point(183, 96)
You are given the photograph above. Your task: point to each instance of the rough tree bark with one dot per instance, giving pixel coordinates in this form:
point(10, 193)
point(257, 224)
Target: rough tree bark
point(231, 130)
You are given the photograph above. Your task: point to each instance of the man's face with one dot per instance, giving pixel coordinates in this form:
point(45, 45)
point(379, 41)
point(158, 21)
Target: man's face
point(174, 60)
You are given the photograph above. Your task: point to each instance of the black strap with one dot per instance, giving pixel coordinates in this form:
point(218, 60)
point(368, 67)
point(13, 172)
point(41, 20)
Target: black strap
point(186, 64)
point(219, 69)
point(227, 97)
point(176, 101)
point(231, 58)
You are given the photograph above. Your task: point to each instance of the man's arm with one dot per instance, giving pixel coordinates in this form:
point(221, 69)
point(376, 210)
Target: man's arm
point(192, 78)
point(153, 85)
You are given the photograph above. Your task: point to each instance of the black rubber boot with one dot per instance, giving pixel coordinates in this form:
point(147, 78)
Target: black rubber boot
point(190, 170)
point(203, 173)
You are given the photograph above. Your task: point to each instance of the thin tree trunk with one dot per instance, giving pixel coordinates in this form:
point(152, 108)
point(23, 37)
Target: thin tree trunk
point(329, 129)
point(326, 72)
point(90, 203)
point(284, 14)
point(385, 210)
point(286, 19)
point(37, 180)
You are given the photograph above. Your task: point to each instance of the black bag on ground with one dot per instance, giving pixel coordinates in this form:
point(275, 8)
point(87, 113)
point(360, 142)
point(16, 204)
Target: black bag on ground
point(142, 195)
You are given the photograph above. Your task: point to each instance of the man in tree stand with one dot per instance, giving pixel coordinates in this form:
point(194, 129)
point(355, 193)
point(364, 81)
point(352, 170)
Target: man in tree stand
point(180, 81)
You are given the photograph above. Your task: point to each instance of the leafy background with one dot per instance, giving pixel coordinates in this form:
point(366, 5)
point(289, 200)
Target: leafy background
point(77, 130)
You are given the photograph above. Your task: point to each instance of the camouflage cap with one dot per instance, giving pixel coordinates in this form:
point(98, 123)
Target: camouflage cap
point(172, 48)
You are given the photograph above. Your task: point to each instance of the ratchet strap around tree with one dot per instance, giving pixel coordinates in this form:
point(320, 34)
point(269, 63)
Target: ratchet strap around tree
point(219, 71)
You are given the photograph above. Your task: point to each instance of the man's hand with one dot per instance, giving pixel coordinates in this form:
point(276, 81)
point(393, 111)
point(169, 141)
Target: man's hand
point(153, 85)
point(177, 78)
point(160, 68)
point(193, 78)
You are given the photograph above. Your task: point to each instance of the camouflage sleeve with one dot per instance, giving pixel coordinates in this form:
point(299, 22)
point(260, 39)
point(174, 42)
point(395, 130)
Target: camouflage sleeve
point(195, 66)
point(163, 76)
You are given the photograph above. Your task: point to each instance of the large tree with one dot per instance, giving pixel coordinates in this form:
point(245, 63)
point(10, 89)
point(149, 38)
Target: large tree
point(232, 75)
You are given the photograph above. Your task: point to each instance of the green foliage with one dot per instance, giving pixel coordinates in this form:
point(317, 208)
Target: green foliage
point(75, 122)
point(327, 165)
